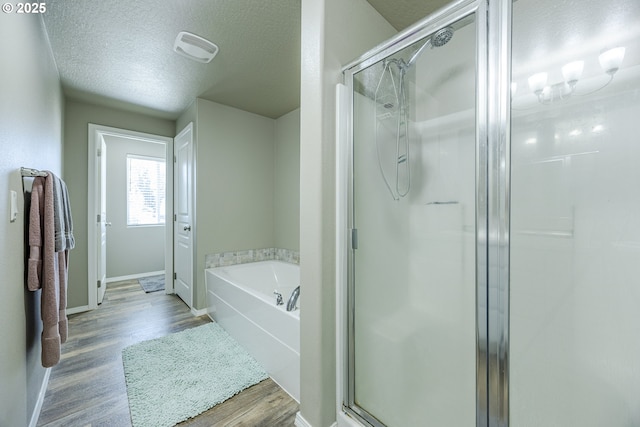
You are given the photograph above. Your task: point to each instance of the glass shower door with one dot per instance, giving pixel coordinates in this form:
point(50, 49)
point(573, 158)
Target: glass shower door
point(412, 353)
point(575, 214)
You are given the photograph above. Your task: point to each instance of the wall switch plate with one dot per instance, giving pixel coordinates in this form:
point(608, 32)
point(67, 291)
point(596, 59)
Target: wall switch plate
point(14, 206)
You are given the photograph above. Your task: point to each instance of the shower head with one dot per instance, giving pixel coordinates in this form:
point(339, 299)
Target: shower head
point(440, 38)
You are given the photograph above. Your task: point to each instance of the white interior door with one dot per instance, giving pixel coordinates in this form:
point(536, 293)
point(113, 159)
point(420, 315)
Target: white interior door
point(102, 223)
point(183, 209)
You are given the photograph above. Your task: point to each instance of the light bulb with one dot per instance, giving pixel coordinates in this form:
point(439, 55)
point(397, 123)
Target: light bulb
point(537, 82)
point(611, 59)
point(572, 72)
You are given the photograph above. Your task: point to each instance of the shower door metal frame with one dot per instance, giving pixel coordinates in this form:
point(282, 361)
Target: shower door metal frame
point(493, 77)
point(497, 105)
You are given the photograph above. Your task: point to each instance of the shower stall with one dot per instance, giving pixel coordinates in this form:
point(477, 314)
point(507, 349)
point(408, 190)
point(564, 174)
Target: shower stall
point(488, 216)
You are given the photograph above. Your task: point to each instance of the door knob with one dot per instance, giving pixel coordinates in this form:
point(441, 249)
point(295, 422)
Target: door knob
point(187, 228)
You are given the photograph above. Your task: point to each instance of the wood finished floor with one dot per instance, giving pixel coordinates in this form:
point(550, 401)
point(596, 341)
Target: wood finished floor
point(87, 388)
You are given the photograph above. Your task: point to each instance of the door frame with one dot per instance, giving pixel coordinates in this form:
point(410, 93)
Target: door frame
point(101, 208)
point(96, 134)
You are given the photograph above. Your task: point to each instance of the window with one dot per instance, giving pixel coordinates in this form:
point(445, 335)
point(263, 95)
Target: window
point(146, 177)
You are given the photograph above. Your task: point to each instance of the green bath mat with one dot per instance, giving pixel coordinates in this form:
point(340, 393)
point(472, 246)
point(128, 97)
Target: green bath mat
point(177, 377)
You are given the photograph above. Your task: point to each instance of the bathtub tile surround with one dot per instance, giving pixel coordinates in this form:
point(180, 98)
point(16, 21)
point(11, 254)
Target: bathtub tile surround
point(225, 259)
point(287, 255)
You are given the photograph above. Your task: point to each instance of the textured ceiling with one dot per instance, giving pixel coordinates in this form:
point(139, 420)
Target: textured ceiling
point(403, 13)
point(119, 52)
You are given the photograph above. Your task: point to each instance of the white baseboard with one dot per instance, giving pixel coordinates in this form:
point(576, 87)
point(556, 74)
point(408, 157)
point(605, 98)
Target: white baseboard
point(301, 422)
point(200, 312)
point(43, 389)
point(134, 276)
point(80, 309)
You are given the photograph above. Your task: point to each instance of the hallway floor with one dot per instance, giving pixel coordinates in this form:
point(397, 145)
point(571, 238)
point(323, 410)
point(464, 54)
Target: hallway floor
point(87, 388)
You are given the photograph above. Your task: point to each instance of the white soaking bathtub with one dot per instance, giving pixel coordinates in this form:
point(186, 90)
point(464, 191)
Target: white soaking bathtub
point(241, 299)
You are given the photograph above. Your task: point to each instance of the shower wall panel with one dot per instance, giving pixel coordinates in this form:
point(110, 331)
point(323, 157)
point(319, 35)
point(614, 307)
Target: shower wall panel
point(575, 218)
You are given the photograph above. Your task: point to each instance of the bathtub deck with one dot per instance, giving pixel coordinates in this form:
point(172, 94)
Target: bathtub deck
point(87, 387)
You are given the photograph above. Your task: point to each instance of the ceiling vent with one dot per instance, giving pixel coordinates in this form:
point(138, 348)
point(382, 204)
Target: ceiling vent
point(195, 47)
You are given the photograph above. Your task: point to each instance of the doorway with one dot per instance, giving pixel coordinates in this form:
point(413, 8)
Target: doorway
point(140, 221)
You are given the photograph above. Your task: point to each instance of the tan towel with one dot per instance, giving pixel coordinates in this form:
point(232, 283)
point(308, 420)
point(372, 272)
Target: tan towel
point(36, 229)
point(47, 269)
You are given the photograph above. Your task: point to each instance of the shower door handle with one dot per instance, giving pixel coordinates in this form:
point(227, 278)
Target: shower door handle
point(187, 228)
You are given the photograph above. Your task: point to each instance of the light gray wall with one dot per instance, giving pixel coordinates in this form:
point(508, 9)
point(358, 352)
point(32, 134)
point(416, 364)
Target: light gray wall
point(78, 115)
point(247, 182)
point(334, 32)
point(189, 116)
point(30, 135)
point(130, 250)
point(234, 184)
point(287, 182)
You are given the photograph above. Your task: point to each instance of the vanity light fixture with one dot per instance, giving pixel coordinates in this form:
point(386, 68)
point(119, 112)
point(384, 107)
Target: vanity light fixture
point(610, 61)
point(538, 82)
point(572, 72)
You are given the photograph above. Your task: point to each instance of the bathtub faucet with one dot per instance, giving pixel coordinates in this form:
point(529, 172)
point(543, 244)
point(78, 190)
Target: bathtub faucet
point(278, 298)
point(293, 299)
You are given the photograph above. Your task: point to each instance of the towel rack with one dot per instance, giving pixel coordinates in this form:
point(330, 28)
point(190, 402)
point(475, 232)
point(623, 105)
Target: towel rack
point(32, 172)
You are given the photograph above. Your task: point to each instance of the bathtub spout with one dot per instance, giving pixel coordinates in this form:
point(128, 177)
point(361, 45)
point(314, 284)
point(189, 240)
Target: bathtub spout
point(293, 299)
